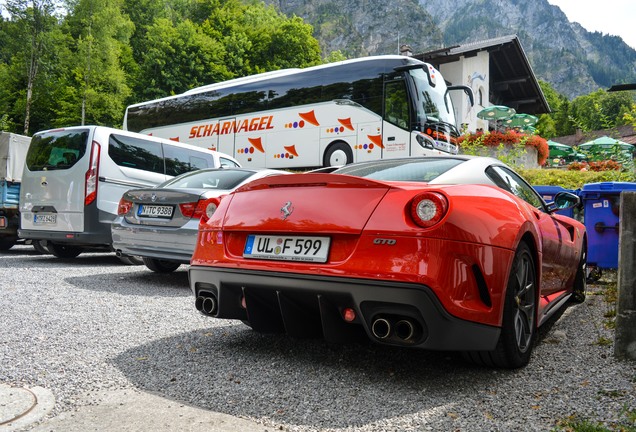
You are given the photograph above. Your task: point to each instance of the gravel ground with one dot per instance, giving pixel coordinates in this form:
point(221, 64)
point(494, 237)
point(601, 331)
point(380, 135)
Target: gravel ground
point(92, 324)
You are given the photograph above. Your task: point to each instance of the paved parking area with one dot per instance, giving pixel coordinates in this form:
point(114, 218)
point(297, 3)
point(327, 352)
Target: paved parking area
point(119, 347)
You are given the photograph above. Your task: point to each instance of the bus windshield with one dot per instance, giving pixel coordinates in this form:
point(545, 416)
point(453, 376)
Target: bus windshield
point(433, 104)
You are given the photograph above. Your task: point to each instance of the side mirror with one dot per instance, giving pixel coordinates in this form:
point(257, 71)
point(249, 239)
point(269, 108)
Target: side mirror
point(564, 201)
point(465, 89)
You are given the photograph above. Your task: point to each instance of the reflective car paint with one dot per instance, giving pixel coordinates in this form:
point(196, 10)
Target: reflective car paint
point(464, 260)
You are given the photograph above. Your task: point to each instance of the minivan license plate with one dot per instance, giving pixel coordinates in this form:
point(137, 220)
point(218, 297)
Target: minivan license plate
point(45, 219)
point(287, 248)
point(155, 211)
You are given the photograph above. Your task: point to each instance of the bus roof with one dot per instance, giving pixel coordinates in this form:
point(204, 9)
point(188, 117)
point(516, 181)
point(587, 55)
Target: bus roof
point(282, 72)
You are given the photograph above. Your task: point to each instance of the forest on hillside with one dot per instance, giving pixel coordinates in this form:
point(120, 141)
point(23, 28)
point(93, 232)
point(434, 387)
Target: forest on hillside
point(83, 61)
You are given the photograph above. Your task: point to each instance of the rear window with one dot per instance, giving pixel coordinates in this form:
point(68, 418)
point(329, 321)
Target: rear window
point(136, 153)
point(416, 170)
point(180, 160)
point(222, 179)
point(56, 150)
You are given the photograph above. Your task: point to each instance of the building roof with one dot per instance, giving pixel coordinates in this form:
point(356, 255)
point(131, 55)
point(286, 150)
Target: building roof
point(512, 80)
point(625, 133)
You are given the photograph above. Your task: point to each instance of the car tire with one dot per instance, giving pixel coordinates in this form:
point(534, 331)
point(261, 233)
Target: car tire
point(518, 329)
point(38, 246)
point(338, 154)
point(63, 251)
point(161, 266)
point(131, 260)
point(580, 280)
point(5, 245)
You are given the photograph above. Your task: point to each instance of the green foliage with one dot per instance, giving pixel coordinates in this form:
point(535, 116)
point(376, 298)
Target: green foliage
point(92, 62)
point(594, 111)
point(558, 122)
point(630, 116)
point(601, 109)
point(572, 179)
point(334, 56)
point(98, 86)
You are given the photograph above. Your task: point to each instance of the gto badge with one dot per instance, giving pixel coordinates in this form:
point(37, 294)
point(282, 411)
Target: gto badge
point(287, 209)
point(383, 241)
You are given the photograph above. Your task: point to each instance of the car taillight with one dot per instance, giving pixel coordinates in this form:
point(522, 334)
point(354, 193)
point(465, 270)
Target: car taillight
point(203, 209)
point(428, 208)
point(208, 208)
point(90, 192)
point(124, 206)
point(188, 209)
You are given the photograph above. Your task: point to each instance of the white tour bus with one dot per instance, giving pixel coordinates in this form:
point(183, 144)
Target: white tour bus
point(328, 115)
point(74, 178)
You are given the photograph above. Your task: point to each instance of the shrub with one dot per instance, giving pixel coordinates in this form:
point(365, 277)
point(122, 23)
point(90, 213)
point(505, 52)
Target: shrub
point(573, 179)
point(516, 141)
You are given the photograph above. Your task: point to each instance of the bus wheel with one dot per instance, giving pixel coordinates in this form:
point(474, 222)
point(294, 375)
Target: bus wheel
point(338, 154)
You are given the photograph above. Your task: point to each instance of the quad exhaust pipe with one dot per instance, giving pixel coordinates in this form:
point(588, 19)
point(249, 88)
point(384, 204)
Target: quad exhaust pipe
point(381, 328)
point(402, 329)
point(206, 304)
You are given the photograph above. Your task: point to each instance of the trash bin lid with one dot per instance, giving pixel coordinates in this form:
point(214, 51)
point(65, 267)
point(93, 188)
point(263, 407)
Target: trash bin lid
point(608, 187)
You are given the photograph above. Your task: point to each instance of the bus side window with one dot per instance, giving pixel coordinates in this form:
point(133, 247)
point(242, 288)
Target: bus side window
point(396, 109)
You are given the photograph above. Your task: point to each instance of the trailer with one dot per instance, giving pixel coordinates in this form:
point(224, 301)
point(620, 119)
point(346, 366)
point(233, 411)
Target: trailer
point(13, 150)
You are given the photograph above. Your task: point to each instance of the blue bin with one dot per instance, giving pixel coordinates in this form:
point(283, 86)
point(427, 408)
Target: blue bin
point(548, 193)
point(601, 205)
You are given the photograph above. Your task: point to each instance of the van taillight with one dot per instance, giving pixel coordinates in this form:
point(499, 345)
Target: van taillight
point(91, 175)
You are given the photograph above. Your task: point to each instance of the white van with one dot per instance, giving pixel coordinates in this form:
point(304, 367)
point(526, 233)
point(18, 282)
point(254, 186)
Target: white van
point(74, 178)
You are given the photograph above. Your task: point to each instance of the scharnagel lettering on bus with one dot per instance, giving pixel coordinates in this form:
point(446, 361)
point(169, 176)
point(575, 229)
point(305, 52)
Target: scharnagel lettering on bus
point(228, 127)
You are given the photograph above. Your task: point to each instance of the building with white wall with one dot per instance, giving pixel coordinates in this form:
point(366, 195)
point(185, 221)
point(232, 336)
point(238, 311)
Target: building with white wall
point(499, 73)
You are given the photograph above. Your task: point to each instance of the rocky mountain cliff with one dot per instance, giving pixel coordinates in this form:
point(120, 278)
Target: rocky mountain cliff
point(572, 59)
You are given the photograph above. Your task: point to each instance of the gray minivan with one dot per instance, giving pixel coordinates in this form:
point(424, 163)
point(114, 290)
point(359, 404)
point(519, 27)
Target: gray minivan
point(74, 178)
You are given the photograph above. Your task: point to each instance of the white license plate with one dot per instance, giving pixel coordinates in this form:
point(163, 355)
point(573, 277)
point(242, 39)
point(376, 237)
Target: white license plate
point(155, 211)
point(287, 248)
point(45, 219)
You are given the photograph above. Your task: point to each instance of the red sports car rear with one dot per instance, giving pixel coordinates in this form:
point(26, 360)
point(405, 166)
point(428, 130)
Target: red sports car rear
point(401, 262)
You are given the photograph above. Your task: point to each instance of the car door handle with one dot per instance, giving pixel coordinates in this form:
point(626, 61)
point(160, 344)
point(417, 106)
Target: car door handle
point(390, 139)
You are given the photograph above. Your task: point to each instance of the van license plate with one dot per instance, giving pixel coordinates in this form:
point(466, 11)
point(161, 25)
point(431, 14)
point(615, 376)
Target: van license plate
point(287, 248)
point(45, 219)
point(155, 211)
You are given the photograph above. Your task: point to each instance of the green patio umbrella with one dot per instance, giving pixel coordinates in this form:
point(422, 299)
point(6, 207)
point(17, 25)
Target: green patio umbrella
point(605, 140)
point(605, 147)
point(496, 112)
point(521, 120)
point(561, 154)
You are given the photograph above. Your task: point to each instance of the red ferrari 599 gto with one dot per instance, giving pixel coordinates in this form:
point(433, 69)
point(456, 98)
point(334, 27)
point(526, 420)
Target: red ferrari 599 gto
point(444, 253)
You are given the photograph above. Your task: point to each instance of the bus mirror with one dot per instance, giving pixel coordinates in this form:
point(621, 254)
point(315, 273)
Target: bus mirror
point(431, 72)
point(466, 90)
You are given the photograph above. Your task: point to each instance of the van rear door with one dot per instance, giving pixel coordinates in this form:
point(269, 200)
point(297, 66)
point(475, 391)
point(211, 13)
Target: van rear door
point(53, 182)
point(127, 161)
